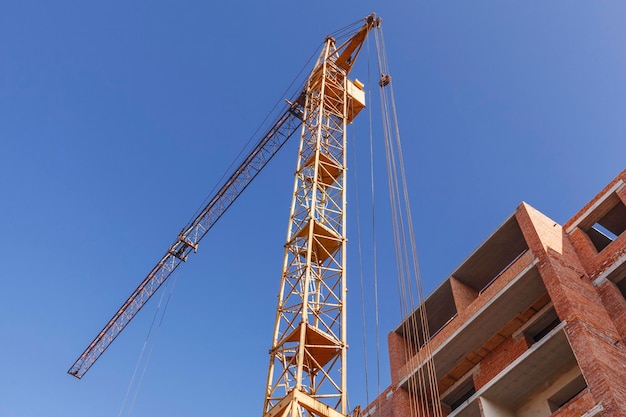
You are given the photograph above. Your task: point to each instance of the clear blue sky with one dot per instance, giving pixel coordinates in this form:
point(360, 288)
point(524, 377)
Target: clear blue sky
point(117, 118)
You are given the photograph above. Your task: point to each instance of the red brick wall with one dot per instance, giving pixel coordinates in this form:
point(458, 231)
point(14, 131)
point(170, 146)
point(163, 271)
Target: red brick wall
point(381, 406)
point(576, 407)
point(585, 249)
point(397, 355)
point(498, 359)
point(463, 295)
point(403, 404)
point(596, 316)
point(572, 294)
point(396, 402)
point(615, 304)
point(593, 336)
point(603, 367)
point(596, 263)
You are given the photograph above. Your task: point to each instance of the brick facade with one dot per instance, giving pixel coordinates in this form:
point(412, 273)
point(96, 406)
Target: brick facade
point(543, 337)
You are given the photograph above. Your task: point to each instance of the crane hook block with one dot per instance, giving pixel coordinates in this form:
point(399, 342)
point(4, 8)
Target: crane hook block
point(385, 79)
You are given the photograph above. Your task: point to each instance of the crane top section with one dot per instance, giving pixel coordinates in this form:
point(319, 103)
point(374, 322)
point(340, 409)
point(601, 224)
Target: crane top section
point(342, 59)
point(349, 50)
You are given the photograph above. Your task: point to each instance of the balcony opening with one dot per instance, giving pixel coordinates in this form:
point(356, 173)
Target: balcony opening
point(542, 325)
point(460, 394)
point(439, 310)
point(609, 226)
point(567, 393)
point(494, 257)
point(600, 237)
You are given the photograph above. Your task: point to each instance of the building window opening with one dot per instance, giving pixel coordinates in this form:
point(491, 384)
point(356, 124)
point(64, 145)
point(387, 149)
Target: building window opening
point(493, 258)
point(609, 227)
point(542, 326)
point(428, 319)
point(458, 396)
point(606, 232)
point(621, 285)
point(567, 393)
point(466, 396)
point(600, 237)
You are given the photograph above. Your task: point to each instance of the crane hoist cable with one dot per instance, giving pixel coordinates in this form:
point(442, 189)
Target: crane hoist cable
point(149, 343)
point(423, 387)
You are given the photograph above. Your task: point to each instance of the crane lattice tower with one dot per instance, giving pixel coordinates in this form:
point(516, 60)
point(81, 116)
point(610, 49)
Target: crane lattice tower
point(307, 370)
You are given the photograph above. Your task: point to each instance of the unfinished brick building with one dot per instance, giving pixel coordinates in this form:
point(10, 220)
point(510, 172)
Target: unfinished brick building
point(532, 323)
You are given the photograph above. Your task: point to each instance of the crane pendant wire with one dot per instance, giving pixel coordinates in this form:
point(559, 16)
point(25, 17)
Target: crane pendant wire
point(422, 388)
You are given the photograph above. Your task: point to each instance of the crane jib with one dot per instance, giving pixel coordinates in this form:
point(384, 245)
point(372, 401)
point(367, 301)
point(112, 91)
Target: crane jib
point(286, 125)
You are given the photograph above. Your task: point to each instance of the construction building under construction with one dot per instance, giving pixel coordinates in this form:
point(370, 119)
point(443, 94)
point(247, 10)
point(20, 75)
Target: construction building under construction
point(532, 323)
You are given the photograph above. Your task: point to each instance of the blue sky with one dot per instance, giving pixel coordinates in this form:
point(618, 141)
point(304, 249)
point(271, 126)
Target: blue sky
point(117, 119)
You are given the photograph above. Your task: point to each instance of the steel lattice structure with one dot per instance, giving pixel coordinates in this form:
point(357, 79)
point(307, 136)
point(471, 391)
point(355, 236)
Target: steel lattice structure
point(187, 241)
point(307, 370)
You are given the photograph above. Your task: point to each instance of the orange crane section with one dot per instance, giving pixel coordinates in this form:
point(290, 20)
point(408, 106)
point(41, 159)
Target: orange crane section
point(307, 374)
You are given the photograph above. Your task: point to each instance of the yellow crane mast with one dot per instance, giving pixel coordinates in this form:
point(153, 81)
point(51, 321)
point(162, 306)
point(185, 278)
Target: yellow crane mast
point(307, 370)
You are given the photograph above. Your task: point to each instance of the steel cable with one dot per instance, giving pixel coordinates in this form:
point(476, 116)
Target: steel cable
point(423, 388)
point(147, 342)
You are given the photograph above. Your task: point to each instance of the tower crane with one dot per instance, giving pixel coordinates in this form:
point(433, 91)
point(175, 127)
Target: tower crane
point(307, 367)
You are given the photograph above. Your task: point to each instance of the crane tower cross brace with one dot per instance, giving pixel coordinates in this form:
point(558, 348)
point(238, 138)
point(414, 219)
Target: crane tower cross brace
point(307, 369)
